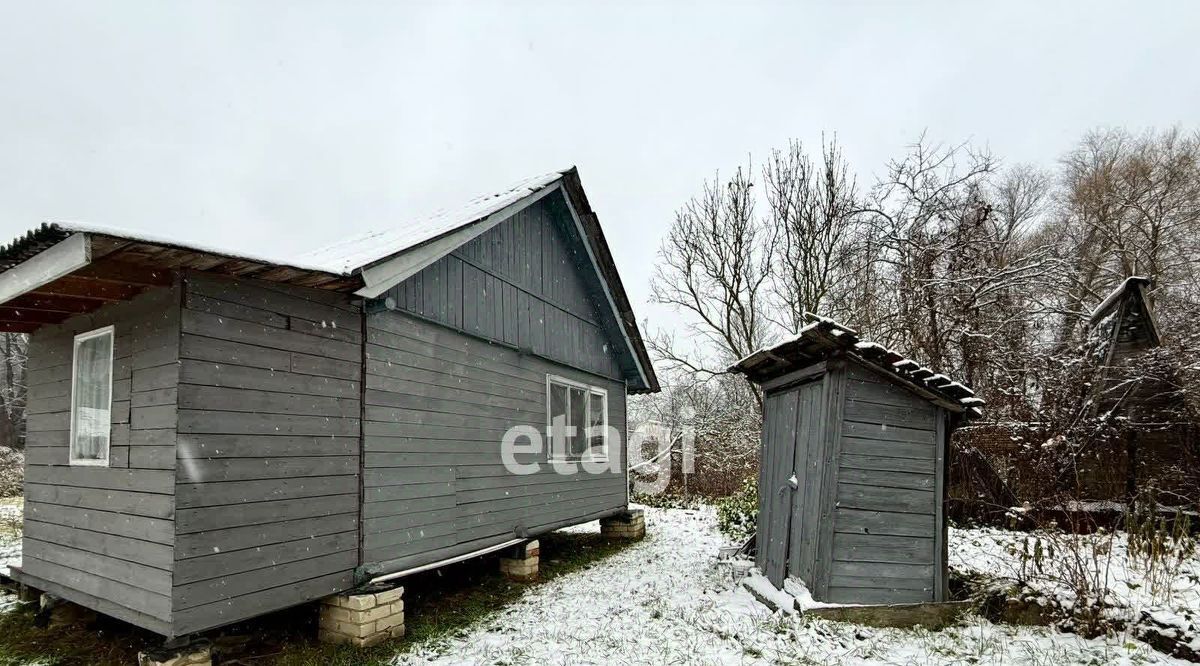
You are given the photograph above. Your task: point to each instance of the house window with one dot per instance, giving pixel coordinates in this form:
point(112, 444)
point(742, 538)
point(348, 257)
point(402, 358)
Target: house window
point(583, 407)
point(91, 397)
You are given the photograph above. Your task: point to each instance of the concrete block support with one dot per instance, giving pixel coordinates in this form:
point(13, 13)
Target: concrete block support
point(625, 525)
point(363, 619)
point(520, 563)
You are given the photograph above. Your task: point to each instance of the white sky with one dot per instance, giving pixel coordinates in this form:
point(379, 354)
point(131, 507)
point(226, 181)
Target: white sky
point(275, 127)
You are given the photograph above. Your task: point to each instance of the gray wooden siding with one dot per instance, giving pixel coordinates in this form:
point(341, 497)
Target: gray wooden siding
point(268, 455)
point(525, 283)
point(437, 404)
point(885, 520)
point(101, 536)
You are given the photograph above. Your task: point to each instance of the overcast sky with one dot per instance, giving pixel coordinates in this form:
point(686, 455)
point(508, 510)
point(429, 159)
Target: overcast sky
point(275, 127)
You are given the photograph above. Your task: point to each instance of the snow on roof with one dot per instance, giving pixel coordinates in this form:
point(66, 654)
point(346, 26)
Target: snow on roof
point(827, 335)
point(816, 318)
point(154, 239)
point(346, 256)
point(1115, 295)
point(791, 338)
point(359, 251)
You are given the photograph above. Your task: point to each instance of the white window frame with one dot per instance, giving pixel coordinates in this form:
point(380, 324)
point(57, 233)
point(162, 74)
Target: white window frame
point(83, 337)
point(581, 431)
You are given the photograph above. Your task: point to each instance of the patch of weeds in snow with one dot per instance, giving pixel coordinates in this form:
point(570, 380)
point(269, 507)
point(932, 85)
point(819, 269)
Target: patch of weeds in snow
point(664, 600)
point(1047, 569)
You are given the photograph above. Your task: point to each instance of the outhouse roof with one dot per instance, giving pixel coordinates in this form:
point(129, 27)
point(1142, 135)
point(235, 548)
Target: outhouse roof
point(823, 338)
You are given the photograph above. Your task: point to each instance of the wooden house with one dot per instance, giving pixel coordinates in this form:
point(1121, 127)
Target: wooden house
point(213, 435)
point(853, 466)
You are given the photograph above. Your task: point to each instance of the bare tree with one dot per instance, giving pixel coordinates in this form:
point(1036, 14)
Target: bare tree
point(713, 268)
point(15, 347)
point(1130, 206)
point(920, 212)
point(982, 272)
point(813, 211)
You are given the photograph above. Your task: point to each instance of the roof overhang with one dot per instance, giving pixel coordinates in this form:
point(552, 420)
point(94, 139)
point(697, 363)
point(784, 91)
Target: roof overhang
point(588, 227)
point(59, 271)
point(59, 260)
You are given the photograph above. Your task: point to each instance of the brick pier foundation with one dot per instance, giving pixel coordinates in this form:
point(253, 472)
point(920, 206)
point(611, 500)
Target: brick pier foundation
point(364, 619)
point(625, 525)
point(520, 563)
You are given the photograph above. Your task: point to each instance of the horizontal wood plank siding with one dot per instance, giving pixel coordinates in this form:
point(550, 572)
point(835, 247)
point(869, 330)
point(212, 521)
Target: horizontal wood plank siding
point(437, 405)
point(103, 536)
point(885, 520)
point(525, 283)
point(268, 456)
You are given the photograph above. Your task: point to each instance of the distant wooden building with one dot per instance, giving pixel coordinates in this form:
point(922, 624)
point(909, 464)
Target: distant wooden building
point(1138, 395)
point(853, 467)
point(1123, 328)
point(213, 436)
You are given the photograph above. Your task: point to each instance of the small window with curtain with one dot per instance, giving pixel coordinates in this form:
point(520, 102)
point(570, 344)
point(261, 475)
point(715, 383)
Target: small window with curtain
point(91, 397)
point(571, 404)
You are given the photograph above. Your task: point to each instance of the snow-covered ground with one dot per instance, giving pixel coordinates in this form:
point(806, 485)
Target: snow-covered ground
point(664, 600)
point(1173, 603)
point(10, 536)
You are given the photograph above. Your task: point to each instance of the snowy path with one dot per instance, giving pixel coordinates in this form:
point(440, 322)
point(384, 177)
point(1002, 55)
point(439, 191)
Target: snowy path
point(662, 601)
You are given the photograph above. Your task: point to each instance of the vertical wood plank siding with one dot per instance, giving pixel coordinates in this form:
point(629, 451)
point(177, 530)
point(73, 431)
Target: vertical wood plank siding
point(437, 405)
point(885, 518)
point(525, 283)
point(103, 536)
point(780, 427)
point(809, 505)
point(268, 449)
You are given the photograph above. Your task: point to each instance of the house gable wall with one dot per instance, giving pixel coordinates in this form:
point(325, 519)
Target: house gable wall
point(526, 283)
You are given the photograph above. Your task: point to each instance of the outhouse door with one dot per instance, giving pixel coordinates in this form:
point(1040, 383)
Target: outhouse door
point(790, 416)
point(807, 499)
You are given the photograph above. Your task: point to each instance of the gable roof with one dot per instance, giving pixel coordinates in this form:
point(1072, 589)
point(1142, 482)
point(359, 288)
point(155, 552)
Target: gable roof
point(1134, 286)
point(365, 249)
point(366, 265)
point(823, 338)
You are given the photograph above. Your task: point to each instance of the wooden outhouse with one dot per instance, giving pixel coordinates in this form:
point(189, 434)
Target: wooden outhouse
point(853, 467)
point(213, 435)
